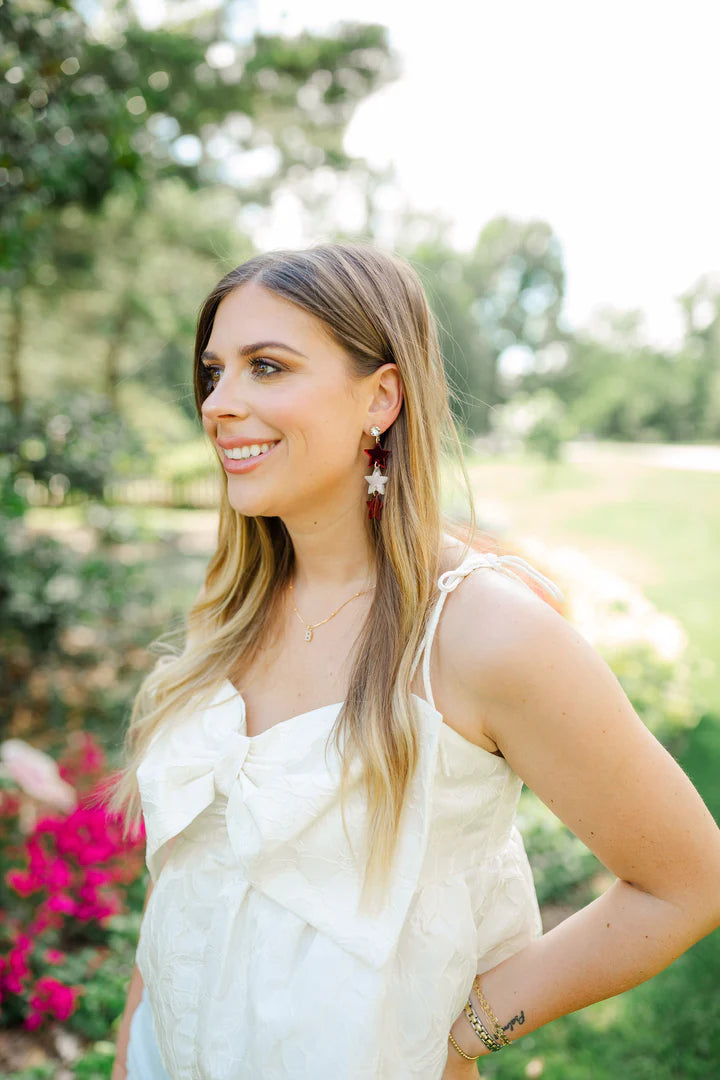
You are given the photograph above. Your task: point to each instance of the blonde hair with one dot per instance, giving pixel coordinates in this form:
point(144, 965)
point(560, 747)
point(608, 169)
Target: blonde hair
point(374, 305)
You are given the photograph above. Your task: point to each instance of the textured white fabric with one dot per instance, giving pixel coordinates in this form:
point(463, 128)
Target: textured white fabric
point(257, 963)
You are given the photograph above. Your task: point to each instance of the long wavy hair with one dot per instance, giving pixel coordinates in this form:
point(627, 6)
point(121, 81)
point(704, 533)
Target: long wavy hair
point(374, 305)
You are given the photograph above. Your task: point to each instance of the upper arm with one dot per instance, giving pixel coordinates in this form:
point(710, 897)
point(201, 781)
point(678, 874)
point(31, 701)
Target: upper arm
point(565, 725)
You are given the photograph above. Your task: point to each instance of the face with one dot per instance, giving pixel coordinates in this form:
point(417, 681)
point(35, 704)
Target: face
point(296, 397)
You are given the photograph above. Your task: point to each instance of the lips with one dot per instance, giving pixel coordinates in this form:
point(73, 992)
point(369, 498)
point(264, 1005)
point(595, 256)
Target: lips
point(245, 464)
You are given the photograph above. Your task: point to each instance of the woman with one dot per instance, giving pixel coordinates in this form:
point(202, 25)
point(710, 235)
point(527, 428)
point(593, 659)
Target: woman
point(329, 880)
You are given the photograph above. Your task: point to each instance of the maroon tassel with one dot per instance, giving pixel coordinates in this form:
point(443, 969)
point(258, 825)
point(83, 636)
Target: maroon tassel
point(375, 503)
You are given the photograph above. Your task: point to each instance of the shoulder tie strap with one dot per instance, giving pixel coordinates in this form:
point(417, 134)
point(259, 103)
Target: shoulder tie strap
point(450, 580)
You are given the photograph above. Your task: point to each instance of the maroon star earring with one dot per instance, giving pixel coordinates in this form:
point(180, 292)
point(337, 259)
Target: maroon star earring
point(376, 481)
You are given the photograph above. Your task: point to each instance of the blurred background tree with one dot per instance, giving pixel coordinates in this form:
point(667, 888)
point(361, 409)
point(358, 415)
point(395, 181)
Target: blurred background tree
point(503, 298)
point(86, 118)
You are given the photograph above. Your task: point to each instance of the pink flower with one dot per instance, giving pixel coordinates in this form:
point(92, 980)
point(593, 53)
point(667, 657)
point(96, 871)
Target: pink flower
point(52, 996)
point(61, 902)
point(54, 956)
point(23, 883)
point(58, 876)
point(37, 774)
point(17, 969)
point(23, 943)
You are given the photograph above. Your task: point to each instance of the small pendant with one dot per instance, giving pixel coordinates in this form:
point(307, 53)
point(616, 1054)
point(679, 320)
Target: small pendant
point(308, 633)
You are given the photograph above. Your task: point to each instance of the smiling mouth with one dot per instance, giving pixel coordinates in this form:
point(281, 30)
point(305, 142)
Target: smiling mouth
point(239, 453)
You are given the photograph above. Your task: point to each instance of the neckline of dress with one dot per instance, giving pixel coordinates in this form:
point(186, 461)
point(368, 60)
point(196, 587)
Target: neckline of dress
point(453, 733)
point(308, 712)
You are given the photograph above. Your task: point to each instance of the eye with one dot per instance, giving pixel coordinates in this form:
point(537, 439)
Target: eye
point(208, 379)
point(260, 368)
point(259, 362)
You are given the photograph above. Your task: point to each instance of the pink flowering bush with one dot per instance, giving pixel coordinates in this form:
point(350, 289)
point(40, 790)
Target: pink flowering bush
point(64, 875)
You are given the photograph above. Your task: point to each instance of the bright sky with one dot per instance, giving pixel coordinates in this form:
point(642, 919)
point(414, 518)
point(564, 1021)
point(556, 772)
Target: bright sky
point(595, 116)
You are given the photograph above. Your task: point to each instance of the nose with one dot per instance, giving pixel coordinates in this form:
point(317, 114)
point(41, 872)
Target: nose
point(226, 399)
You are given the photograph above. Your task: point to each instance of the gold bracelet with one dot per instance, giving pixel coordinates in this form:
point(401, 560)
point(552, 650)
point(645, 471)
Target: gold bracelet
point(479, 1028)
point(485, 1006)
point(460, 1050)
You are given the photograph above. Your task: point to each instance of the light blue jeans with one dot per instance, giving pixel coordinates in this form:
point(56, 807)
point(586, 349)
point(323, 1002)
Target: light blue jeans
point(143, 1058)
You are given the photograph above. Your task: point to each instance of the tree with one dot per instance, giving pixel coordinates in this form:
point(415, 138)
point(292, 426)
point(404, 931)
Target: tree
point(507, 292)
point(82, 116)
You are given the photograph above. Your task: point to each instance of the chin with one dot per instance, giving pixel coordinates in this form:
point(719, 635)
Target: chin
point(251, 508)
point(252, 504)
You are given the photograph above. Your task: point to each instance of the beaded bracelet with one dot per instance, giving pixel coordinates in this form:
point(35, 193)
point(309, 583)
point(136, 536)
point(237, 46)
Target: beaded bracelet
point(485, 1006)
point(460, 1050)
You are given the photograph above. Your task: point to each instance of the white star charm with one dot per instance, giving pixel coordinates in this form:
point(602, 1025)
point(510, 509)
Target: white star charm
point(376, 482)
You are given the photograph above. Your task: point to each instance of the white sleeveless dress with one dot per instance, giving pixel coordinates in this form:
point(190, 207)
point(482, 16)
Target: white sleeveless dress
point(256, 961)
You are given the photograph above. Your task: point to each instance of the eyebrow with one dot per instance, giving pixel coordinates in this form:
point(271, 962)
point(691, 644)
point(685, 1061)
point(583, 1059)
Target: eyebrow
point(247, 350)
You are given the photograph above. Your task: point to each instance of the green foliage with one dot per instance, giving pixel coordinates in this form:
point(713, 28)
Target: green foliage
point(36, 1072)
point(84, 115)
point(68, 616)
point(659, 689)
point(97, 1063)
point(507, 291)
point(124, 324)
point(507, 295)
point(535, 422)
point(101, 134)
point(560, 862)
point(103, 999)
point(69, 446)
point(616, 387)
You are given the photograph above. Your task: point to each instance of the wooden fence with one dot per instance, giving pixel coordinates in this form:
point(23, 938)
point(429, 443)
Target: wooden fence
point(200, 494)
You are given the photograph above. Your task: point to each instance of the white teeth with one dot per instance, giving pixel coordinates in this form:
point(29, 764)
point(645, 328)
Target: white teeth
point(247, 451)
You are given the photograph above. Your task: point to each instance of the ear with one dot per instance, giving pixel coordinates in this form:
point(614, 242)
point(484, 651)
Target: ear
point(386, 396)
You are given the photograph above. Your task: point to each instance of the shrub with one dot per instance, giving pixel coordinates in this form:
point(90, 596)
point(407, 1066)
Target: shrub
point(65, 876)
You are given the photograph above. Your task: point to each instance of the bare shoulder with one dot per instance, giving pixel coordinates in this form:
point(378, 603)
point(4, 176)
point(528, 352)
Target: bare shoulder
point(489, 622)
point(491, 626)
point(526, 679)
point(493, 616)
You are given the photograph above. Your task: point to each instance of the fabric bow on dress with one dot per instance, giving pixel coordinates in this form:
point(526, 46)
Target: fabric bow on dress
point(284, 824)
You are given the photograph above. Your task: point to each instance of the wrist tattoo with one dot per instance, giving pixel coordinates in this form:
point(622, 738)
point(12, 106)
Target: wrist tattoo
point(518, 1019)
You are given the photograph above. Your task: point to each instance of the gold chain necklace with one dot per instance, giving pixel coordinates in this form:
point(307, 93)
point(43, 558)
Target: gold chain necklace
point(309, 627)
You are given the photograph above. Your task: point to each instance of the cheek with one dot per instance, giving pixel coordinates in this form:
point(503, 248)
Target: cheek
point(322, 418)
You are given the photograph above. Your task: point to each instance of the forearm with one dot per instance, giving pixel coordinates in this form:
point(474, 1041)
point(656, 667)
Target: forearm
point(621, 939)
point(132, 1001)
